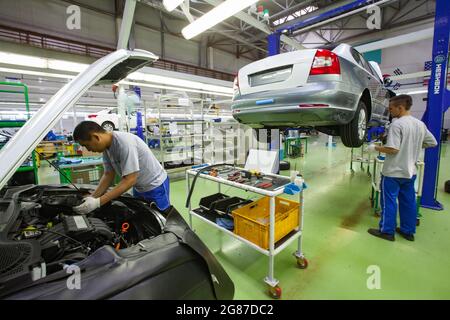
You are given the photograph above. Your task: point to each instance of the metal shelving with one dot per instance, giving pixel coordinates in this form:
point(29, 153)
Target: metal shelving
point(176, 136)
point(30, 165)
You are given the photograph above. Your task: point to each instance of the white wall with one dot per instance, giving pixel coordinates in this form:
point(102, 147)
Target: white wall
point(410, 58)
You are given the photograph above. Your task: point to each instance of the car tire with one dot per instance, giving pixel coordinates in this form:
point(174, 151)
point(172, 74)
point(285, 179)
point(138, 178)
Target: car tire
point(447, 186)
point(354, 133)
point(108, 126)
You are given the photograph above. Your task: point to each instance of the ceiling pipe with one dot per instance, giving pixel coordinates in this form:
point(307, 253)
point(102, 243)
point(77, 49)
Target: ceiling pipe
point(338, 17)
point(258, 25)
point(397, 41)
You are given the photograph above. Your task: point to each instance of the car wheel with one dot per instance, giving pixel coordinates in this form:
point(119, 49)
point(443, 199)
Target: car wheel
point(108, 126)
point(354, 133)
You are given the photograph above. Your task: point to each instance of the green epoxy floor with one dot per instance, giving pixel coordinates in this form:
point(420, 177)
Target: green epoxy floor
point(335, 240)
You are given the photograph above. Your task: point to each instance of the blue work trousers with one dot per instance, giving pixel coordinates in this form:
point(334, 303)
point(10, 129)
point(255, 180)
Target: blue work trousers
point(401, 189)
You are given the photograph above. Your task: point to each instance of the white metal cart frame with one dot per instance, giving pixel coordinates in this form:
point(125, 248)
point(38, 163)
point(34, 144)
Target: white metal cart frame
point(270, 280)
point(376, 180)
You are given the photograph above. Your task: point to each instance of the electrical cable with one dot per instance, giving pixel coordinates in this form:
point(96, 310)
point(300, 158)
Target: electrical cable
point(59, 170)
point(200, 170)
point(66, 236)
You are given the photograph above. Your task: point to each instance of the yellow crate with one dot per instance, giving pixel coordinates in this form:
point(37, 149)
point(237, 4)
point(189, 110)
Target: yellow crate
point(251, 222)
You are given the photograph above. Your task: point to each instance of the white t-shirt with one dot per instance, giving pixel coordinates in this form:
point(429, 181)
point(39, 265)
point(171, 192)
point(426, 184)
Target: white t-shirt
point(128, 154)
point(408, 135)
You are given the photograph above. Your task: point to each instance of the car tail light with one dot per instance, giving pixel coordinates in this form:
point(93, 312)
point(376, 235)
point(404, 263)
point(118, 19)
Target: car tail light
point(90, 116)
point(325, 62)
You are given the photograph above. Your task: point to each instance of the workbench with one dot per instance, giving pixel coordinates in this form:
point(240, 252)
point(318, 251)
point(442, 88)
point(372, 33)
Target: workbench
point(274, 248)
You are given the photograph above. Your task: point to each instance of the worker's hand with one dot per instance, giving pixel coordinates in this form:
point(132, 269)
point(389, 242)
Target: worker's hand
point(371, 148)
point(89, 204)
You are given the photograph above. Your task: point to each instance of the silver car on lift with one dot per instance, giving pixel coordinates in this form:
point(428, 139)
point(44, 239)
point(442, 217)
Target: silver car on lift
point(333, 89)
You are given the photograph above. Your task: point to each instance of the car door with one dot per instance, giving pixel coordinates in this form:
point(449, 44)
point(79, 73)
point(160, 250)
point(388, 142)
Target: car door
point(372, 83)
point(378, 92)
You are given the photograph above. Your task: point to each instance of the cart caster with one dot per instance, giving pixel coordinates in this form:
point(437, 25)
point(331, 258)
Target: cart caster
point(275, 292)
point(302, 263)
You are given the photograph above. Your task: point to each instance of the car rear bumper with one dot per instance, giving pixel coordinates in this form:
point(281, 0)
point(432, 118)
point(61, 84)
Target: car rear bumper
point(316, 104)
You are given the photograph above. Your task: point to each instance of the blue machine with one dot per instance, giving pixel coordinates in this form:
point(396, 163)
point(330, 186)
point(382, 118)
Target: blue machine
point(438, 103)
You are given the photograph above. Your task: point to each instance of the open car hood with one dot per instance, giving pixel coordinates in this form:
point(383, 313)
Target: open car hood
point(107, 70)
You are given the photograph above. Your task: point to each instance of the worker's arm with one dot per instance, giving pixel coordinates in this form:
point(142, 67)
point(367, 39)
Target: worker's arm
point(387, 150)
point(126, 183)
point(105, 182)
point(429, 140)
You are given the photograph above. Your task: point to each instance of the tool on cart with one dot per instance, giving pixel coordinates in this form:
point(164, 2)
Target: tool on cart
point(264, 185)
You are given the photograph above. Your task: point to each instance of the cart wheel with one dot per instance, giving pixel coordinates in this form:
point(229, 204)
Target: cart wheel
point(275, 292)
point(302, 263)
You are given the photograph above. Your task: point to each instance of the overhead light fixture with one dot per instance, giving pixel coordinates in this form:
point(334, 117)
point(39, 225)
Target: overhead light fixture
point(36, 73)
point(149, 85)
point(170, 5)
point(140, 76)
point(66, 65)
point(22, 60)
point(220, 13)
point(158, 81)
point(417, 92)
point(43, 63)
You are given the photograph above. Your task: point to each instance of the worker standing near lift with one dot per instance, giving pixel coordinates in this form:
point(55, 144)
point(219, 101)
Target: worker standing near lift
point(405, 140)
point(128, 156)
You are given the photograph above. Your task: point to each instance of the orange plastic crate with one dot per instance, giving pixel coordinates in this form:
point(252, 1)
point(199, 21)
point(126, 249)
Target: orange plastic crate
point(251, 222)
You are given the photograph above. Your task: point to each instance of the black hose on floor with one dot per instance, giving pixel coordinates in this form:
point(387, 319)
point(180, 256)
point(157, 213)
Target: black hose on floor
point(191, 190)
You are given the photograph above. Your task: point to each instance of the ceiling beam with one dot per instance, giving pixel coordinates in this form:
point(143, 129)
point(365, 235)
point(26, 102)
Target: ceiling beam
point(258, 25)
point(180, 14)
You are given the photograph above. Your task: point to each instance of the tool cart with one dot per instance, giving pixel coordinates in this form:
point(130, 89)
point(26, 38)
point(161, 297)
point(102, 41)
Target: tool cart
point(268, 225)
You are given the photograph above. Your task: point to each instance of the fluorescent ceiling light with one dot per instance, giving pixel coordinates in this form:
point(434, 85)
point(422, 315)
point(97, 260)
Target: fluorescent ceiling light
point(170, 5)
point(22, 60)
point(66, 65)
point(36, 73)
point(220, 13)
point(44, 63)
point(174, 88)
point(140, 76)
point(417, 92)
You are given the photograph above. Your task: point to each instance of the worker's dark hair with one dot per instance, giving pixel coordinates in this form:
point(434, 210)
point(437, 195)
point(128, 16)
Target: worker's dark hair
point(84, 130)
point(403, 99)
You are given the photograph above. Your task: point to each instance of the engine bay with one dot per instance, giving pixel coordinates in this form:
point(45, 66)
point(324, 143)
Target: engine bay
point(44, 217)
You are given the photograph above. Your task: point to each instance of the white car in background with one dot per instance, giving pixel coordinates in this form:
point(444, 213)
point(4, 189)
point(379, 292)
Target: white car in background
point(108, 119)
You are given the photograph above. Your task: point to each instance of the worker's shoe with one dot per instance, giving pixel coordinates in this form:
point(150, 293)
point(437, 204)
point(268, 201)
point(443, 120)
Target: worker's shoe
point(379, 234)
point(409, 237)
